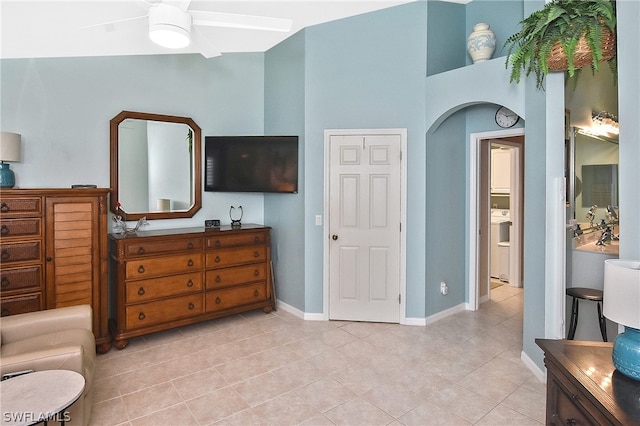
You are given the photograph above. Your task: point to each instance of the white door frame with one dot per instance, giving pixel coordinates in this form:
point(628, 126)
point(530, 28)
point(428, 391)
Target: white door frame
point(474, 170)
point(403, 212)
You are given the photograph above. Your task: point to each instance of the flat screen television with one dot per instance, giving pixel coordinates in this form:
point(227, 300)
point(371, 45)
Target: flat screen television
point(251, 164)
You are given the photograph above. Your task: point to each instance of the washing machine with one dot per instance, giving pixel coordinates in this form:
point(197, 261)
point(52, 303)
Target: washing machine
point(499, 233)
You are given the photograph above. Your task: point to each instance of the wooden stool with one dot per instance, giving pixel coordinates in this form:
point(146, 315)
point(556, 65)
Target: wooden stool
point(587, 294)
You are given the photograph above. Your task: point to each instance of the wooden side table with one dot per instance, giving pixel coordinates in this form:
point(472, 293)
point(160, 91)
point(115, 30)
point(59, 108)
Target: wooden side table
point(39, 396)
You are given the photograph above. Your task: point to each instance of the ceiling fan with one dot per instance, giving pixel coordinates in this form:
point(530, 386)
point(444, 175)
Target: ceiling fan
point(171, 24)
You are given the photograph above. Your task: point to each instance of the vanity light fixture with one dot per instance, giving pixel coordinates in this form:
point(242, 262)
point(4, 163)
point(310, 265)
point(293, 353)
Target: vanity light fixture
point(9, 151)
point(169, 26)
point(621, 300)
point(604, 123)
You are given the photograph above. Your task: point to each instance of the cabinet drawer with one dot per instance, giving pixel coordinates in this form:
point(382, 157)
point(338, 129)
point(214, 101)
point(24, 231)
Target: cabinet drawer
point(237, 296)
point(159, 266)
point(239, 256)
point(161, 311)
point(144, 290)
point(16, 207)
point(21, 279)
point(225, 241)
point(30, 227)
point(566, 411)
point(227, 277)
point(20, 304)
point(142, 248)
point(20, 252)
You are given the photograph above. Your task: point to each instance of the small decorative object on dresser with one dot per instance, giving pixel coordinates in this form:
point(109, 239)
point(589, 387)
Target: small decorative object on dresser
point(584, 388)
point(168, 278)
point(235, 214)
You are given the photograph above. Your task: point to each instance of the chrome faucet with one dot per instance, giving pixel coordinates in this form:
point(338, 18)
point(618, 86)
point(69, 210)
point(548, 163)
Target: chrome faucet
point(606, 236)
point(591, 214)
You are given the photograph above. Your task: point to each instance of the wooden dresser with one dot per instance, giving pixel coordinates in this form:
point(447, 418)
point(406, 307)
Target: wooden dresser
point(169, 278)
point(583, 387)
point(54, 252)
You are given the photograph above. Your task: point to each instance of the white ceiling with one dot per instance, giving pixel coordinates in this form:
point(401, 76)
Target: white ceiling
point(53, 28)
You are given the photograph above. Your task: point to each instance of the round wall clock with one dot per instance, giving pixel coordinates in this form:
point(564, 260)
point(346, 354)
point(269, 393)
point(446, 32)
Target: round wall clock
point(506, 118)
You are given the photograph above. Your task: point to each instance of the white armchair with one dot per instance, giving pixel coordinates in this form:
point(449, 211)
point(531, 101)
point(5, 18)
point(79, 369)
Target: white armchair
point(54, 339)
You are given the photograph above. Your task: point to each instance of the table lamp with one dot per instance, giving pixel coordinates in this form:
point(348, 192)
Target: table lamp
point(621, 302)
point(9, 151)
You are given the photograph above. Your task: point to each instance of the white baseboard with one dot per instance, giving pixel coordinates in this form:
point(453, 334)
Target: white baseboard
point(415, 321)
point(298, 313)
point(446, 313)
point(533, 367)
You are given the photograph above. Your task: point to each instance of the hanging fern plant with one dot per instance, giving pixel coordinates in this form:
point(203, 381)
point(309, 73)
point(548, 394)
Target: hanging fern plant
point(565, 35)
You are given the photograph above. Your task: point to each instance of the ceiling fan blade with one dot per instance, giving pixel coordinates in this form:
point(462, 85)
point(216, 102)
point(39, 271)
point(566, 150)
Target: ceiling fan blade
point(232, 20)
point(117, 21)
point(205, 47)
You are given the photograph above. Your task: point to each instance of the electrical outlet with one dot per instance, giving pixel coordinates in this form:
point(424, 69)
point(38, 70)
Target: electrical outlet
point(444, 289)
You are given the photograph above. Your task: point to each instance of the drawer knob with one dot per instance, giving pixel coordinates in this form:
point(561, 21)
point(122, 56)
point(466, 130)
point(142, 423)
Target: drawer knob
point(190, 283)
point(49, 258)
point(191, 306)
point(141, 250)
point(218, 278)
point(575, 397)
point(256, 272)
point(141, 316)
point(141, 269)
point(5, 282)
point(217, 243)
point(256, 240)
point(4, 230)
point(5, 255)
point(4, 208)
point(190, 262)
point(256, 254)
point(141, 291)
point(571, 422)
point(190, 245)
point(217, 259)
point(256, 293)
point(218, 301)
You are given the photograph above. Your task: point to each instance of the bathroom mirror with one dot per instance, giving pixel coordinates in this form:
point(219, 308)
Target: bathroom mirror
point(155, 166)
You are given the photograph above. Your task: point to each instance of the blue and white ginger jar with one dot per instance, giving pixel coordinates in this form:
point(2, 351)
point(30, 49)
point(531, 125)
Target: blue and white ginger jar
point(481, 43)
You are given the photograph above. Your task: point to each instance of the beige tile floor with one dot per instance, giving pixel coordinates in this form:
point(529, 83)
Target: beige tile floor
point(279, 370)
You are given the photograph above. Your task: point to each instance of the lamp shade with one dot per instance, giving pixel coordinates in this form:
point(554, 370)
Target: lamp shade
point(621, 298)
point(9, 146)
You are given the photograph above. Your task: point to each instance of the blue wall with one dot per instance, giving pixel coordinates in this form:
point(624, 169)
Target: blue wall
point(284, 110)
point(366, 72)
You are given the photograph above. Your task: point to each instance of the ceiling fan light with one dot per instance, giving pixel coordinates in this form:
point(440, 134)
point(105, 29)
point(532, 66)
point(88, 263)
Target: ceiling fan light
point(169, 36)
point(169, 26)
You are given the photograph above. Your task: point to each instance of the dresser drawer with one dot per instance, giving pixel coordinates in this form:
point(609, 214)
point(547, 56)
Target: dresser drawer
point(20, 252)
point(21, 279)
point(226, 241)
point(237, 296)
point(142, 248)
point(20, 304)
point(227, 277)
point(31, 227)
point(20, 207)
point(144, 290)
point(239, 256)
point(567, 408)
point(162, 311)
point(158, 266)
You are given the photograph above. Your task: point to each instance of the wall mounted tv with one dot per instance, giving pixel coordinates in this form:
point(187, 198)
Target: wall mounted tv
point(251, 164)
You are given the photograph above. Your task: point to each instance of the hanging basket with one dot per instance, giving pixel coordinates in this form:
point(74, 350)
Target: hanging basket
point(583, 57)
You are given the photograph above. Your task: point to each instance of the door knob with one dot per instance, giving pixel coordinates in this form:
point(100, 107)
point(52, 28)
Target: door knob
point(334, 237)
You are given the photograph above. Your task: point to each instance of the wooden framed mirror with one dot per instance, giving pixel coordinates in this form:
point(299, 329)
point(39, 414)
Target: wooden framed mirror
point(156, 166)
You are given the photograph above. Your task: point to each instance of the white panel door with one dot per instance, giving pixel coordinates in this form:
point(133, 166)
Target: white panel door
point(364, 227)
